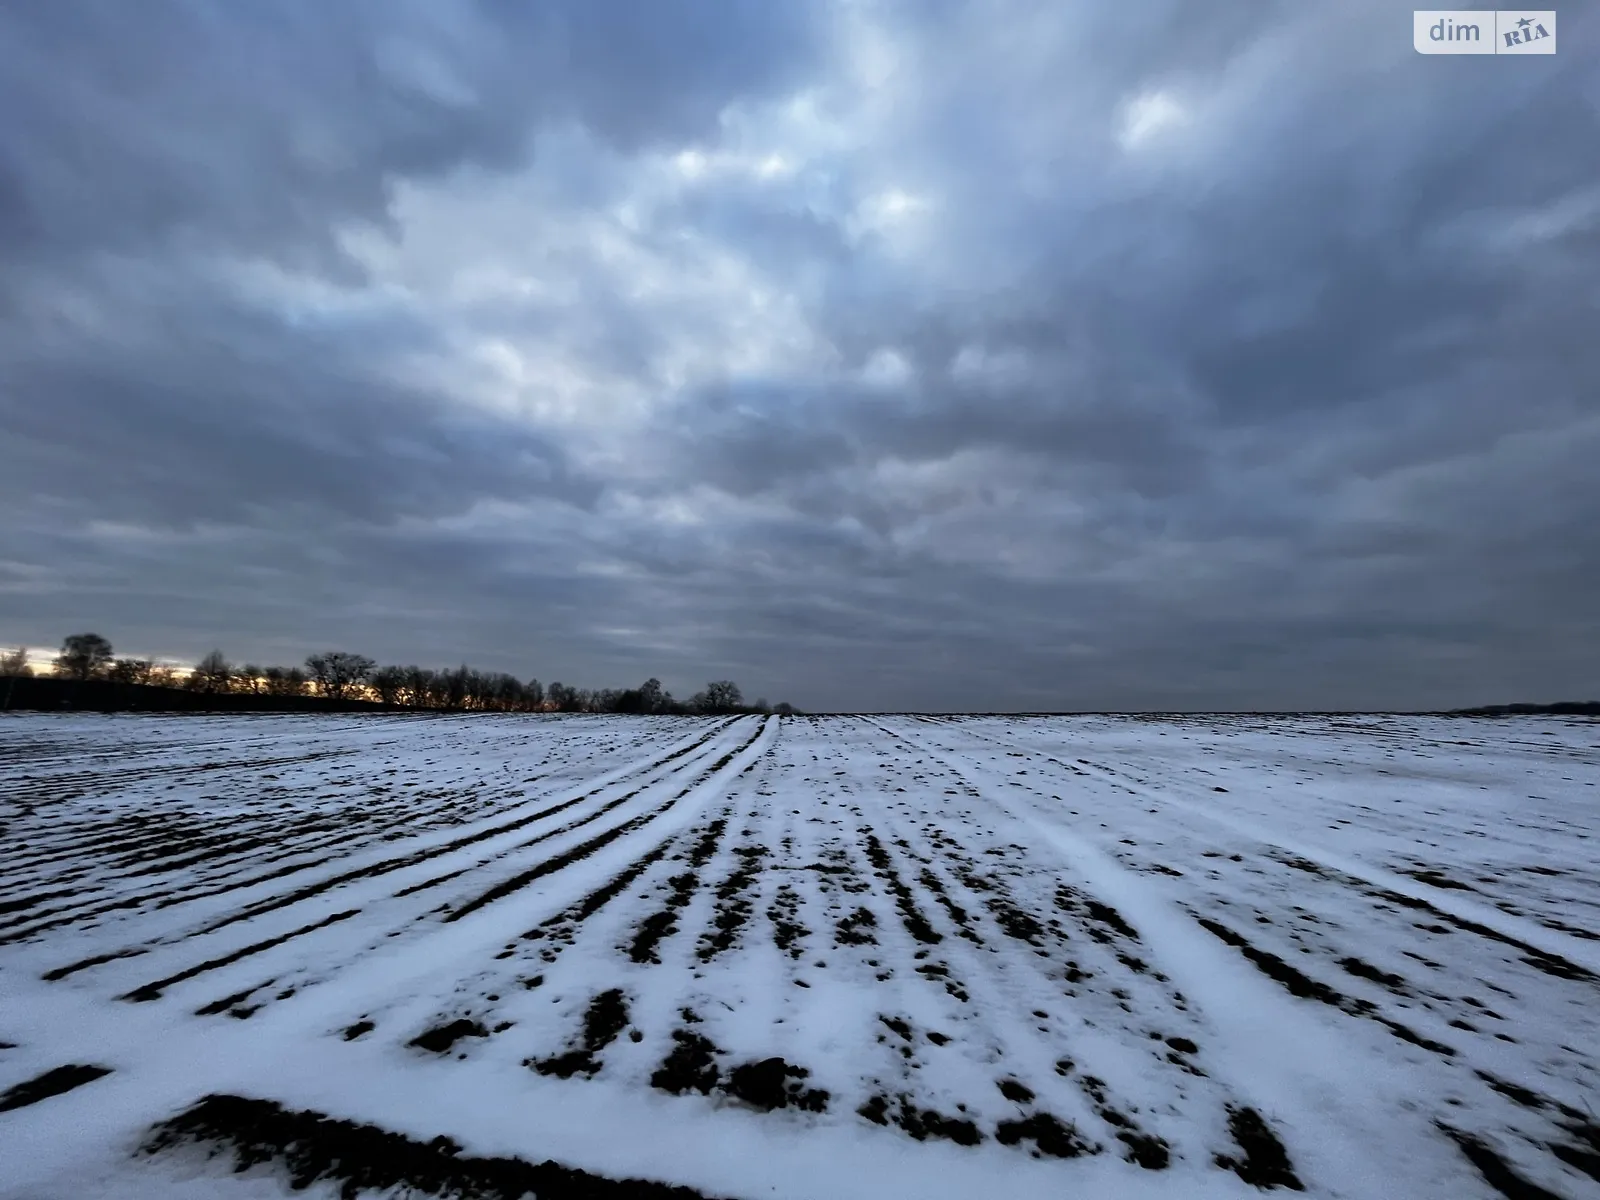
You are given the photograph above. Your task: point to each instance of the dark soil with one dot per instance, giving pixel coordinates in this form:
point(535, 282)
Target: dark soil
point(1264, 1162)
point(359, 1158)
point(958, 914)
point(1551, 964)
point(1270, 965)
point(1071, 900)
point(920, 1123)
point(440, 1039)
point(1439, 879)
point(854, 929)
point(1050, 1134)
point(1496, 1172)
point(1585, 1155)
point(359, 1029)
point(559, 862)
point(226, 1002)
point(915, 922)
point(1013, 922)
point(582, 851)
point(52, 1083)
point(733, 904)
point(607, 1016)
point(1365, 970)
point(663, 923)
point(152, 991)
point(787, 932)
point(1011, 1089)
point(691, 1067)
point(1145, 1149)
point(773, 1083)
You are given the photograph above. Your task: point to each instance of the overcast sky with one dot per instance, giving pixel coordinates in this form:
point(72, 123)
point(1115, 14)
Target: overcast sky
point(872, 353)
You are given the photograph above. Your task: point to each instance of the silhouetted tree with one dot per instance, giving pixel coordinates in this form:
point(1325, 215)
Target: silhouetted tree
point(388, 683)
point(508, 693)
point(131, 670)
point(14, 664)
point(83, 656)
point(212, 675)
point(250, 679)
point(417, 690)
point(285, 681)
point(161, 675)
point(533, 695)
point(337, 673)
point(783, 708)
point(719, 697)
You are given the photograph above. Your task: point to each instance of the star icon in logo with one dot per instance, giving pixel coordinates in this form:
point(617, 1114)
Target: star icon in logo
point(1525, 22)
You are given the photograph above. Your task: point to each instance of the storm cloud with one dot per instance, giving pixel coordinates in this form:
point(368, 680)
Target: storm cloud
point(975, 354)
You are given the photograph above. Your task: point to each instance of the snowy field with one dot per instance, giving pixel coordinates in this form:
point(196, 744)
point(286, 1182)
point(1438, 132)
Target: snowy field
point(810, 958)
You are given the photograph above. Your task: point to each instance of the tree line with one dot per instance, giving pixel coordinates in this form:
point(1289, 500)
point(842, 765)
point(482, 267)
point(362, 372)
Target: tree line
point(341, 676)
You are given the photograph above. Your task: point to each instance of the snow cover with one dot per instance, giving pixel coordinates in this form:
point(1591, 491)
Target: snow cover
point(1018, 957)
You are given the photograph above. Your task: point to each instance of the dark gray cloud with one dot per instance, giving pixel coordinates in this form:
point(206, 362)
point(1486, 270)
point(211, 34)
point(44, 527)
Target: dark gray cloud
point(977, 354)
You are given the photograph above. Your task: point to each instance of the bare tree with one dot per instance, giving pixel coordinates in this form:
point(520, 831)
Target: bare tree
point(719, 697)
point(418, 690)
point(212, 675)
point(508, 693)
point(533, 695)
point(388, 683)
point(83, 656)
point(14, 664)
point(338, 674)
point(285, 681)
point(250, 679)
point(783, 708)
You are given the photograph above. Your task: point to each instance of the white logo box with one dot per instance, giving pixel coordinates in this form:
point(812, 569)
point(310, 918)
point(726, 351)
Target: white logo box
point(1484, 31)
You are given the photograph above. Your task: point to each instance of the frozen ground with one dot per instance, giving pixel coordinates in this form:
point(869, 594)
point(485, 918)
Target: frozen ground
point(818, 958)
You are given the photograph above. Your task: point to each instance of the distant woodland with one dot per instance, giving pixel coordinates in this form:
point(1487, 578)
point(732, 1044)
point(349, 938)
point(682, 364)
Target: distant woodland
point(87, 674)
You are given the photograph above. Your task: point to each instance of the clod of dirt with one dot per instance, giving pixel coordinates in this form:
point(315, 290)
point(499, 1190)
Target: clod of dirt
point(440, 1039)
point(1050, 1134)
point(365, 1158)
point(1013, 922)
point(1265, 1162)
point(1182, 1045)
point(919, 1123)
point(691, 1067)
point(773, 1083)
point(1011, 1089)
point(360, 1028)
point(1145, 1149)
point(853, 930)
point(52, 1083)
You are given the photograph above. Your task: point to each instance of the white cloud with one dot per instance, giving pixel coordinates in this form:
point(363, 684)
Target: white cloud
point(1149, 115)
